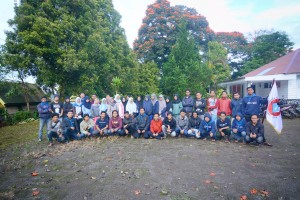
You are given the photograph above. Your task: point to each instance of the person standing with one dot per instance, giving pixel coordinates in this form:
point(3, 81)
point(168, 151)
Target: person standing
point(224, 105)
point(77, 109)
point(95, 109)
point(120, 106)
point(155, 106)
point(131, 107)
point(188, 103)
point(44, 111)
point(176, 106)
point(86, 106)
point(139, 102)
point(67, 106)
point(199, 105)
point(111, 107)
point(57, 107)
point(103, 105)
point(162, 105)
point(147, 106)
point(212, 106)
point(236, 104)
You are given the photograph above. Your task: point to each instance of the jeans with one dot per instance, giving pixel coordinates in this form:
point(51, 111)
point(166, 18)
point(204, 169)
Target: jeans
point(258, 139)
point(165, 131)
point(105, 132)
point(52, 135)
point(130, 128)
point(193, 133)
point(148, 135)
point(177, 130)
point(43, 121)
point(206, 134)
point(138, 135)
point(239, 135)
point(72, 134)
point(91, 131)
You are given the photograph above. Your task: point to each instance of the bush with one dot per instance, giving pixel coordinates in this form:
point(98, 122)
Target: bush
point(21, 116)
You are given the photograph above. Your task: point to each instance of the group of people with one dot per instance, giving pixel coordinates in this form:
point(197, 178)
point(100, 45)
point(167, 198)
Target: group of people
point(213, 118)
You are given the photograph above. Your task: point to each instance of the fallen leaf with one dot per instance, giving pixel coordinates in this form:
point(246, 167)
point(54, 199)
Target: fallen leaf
point(34, 174)
point(93, 177)
point(243, 197)
point(164, 192)
point(207, 181)
point(253, 191)
point(212, 174)
point(264, 193)
point(45, 161)
point(137, 192)
point(35, 193)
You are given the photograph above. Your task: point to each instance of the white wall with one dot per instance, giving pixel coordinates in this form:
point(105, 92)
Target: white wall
point(298, 87)
point(292, 89)
point(264, 92)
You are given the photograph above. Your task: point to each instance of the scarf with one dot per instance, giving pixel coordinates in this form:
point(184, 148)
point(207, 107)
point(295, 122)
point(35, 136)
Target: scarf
point(162, 103)
point(154, 100)
point(176, 101)
point(76, 102)
point(88, 105)
point(103, 106)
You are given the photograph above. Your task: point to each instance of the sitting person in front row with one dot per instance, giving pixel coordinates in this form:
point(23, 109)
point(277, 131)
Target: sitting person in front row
point(54, 129)
point(70, 127)
point(207, 128)
point(87, 126)
point(155, 128)
point(169, 125)
point(102, 125)
point(182, 124)
point(128, 124)
point(116, 124)
point(142, 124)
point(254, 131)
point(239, 127)
point(194, 125)
point(224, 126)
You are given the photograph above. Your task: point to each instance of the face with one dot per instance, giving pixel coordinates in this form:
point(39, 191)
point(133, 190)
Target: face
point(182, 114)
point(139, 98)
point(198, 95)
point(206, 119)
point(195, 115)
point(70, 114)
point(117, 97)
point(167, 100)
point(115, 114)
point(123, 99)
point(254, 119)
point(238, 117)
point(127, 115)
point(222, 117)
point(224, 95)
point(94, 96)
point(187, 93)
point(170, 117)
point(87, 100)
point(160, 98)
point(212, 94)
point(102, 115)
point(55, 118)
point(44, 99)
point(56, 98)
point(67, 100)
point(236, 96)
point(86, 118)
point(78, 101)
point(175, 97)
point(155, 117)
point(152, 97)
point(250, 91)
point(82, 95)
point(142, 111)
point(146, 98)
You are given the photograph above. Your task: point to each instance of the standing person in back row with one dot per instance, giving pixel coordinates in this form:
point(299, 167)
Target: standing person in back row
point(236, 105)
point(67, 106)
point(188, 103)
point(212, 106)
point(224, 105)
point(44, 111)
point(251, 104)
point(199, 105)
point(155, 106)
point(176, 106)
point(57, 107)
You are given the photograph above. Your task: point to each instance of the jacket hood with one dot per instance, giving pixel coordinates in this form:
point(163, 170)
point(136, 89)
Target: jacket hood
point(207, 115)
point(239, 114)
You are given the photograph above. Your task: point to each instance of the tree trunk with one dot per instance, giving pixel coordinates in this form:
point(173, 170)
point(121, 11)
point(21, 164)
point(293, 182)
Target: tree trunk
point(25, 90)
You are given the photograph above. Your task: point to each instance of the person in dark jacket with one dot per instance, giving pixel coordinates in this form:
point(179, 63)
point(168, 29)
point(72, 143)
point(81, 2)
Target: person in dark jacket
point(155, 106)
point(207, 128)
point(236, 104)
point(194, 125)
point(102, 125)
point(139, 103)
point(239, 127)
point(124, 101)
point(224, 126)
point(169, 125)
point(70, 127)
point(199, 105)
point(67, 106)
point(54, 129)
point(56, 106)
point(252, 104)
point(176, 106)
point(182, 124)
point(147, 106)
point(44, 111)
point(142, 124)
point(188, 103)
point(128, 124)
point(169, 106)
point(255, 131)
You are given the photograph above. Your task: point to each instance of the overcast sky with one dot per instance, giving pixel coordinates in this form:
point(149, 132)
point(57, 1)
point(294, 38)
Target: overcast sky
point(223, 15)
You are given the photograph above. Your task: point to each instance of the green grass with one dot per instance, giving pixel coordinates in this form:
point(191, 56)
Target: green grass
point(16, 134)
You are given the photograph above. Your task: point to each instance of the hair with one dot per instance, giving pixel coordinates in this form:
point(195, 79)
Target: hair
point(44, 97)
point(198, 93)
point(169, 113)
point(254, 115)
point(54, 114)
point(156, 114)
point(194, 112)
point(142, 108)
point(236, 93)
point(103, 112)
point(223, 113)
point(114, 111)
point(188, 90)
point(126, 112)
point(249, 87)
point(70, 111)
point(212, 91)
point(182, 110)
point(86, 115)
point(224, 92)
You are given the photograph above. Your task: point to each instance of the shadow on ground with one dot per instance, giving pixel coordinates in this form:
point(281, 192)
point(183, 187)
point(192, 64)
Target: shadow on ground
point(149, 169)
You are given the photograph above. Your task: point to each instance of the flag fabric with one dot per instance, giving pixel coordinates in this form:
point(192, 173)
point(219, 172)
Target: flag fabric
point(273, 114)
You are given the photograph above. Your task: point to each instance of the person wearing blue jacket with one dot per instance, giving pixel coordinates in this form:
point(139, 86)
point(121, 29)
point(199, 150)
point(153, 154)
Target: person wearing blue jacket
point(147, 105)
point(142, 123)
point(155, 106)
point(236, 104)
point(188, 103)
point(239, 127)
point(251, 104)
point(224, 126)
point(44, 111)
point(207, 128)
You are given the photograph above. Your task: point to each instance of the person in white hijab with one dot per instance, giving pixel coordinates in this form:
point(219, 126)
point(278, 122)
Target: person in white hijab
point(131, 106)
point(162, 106)
point(120, 106)
point(77, 108)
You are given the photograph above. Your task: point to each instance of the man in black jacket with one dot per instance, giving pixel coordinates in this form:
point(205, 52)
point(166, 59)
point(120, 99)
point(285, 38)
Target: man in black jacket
point(188, 103)
point(70, 127)
point(142, 124)
point(194, 125)
point(169, 125)
point(199, 105)
point(128, 124)
point(254, 131)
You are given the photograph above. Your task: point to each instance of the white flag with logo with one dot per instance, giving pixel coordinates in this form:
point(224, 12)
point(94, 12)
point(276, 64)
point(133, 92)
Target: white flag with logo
point(273, 111)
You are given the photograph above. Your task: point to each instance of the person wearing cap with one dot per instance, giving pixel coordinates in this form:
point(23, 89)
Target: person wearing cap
point(57, 107)
point(169, 126)
point(54, 129)
point(44, 110)
point(182, 124)
point(67, 106)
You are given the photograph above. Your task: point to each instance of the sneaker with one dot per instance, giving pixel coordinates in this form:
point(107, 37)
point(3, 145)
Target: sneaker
point(40, 140)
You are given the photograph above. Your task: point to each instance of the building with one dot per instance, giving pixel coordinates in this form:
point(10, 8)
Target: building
point(285, 70)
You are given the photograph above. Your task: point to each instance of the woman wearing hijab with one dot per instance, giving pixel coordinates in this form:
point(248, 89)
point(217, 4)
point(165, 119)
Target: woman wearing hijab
point(139, 102)
point(155, 106)
point(67, 106)
point(95, 109)
point(77, 109)
point(111, 107)
point(169, 106)
point(162, 106)
point(86, 106)
point(176, 106)
point(124, 101)
point(120, 106)
point(147, 105)
point(131, 107)
point(103, 106)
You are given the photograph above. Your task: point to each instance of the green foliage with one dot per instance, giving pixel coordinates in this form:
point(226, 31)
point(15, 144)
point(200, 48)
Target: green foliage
point(116, 83)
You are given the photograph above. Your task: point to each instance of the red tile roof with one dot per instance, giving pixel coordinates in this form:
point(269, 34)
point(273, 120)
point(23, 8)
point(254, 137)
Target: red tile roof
point(288, 64)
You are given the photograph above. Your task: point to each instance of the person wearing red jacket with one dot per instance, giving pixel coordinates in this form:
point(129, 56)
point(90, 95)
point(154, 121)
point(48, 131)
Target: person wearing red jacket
point(155, 128)
point(224, 105)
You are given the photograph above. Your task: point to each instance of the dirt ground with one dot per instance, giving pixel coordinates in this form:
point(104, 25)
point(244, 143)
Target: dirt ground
point(123, 168)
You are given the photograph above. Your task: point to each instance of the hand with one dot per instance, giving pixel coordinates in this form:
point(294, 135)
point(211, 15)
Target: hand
point(211, 135)
point(234, 130)
point(143, 131)
point(125, 126)
point(169, 127)
point(254, 135)
point(139, 131)
point(181, 132)
point(169, 130)
point(78, 134)
point(72, 128)
point(222, 133)
point(126, 131)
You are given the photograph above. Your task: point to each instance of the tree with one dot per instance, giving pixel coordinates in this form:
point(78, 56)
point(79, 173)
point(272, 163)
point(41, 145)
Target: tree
point(184, 66)
point(158, 31)
point(265, 48)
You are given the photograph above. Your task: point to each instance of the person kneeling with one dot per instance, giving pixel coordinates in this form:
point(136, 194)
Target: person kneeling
point(239, 127)
point(87, 126)
point(182, 123)
point(70, 127)
point(254, 131)
point(102, 125)
point(224, 126)
point(169, 126)
point(207, 128)
point(116, 124)
point(128, 124)
point(155, 128)
point(194, 125)
point(54, 129)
